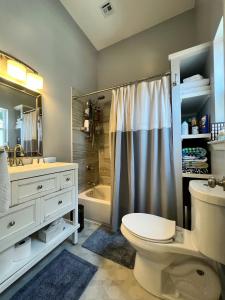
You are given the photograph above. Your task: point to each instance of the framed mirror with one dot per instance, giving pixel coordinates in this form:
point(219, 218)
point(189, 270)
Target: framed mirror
point(20, 118)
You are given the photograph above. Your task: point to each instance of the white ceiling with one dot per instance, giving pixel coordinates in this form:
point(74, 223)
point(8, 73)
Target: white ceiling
point(128, 18)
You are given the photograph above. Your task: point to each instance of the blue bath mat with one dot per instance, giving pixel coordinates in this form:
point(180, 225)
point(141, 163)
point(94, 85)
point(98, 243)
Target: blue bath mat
point(111, 245)
point(64, 278)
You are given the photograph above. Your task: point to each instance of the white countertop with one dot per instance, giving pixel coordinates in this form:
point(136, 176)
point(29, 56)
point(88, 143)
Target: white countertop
point(27, 171)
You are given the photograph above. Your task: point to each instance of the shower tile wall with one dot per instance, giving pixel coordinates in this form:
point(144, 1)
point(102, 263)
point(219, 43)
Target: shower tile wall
point(83, 153)
point(104, 157)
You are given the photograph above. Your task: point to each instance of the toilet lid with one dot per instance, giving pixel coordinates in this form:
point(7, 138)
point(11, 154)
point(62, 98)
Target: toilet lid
point(150, 227)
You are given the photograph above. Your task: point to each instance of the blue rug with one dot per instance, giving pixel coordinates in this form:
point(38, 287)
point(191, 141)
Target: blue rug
point(111, 245)
point(64, 278)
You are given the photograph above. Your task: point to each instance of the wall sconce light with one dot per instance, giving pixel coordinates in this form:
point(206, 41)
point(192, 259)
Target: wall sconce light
point(34, 81)
point(16, 70)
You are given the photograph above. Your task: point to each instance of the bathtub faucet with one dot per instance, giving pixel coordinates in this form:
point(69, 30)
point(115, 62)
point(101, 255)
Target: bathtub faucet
point(93, 184)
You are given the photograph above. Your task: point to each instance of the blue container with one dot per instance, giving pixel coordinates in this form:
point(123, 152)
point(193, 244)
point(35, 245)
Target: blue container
point(204, 124)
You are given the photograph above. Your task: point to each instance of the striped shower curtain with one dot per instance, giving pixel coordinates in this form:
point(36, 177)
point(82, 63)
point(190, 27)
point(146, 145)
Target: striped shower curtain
point(141, 151)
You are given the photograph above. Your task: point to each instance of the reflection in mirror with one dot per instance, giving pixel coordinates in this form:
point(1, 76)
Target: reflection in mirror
point(20, 120)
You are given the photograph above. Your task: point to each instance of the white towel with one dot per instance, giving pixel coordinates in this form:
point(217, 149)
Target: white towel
point(192, 78)
point(5, 190)
point(194, 84)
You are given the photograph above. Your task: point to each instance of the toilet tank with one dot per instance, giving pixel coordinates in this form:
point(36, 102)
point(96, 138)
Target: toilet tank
point(208, 219)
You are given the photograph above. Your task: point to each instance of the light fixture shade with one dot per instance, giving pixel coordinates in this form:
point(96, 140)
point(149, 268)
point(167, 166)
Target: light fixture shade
point(34, 81)
point(16, 70)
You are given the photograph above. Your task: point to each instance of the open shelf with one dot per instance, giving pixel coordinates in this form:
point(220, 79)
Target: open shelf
point(193, 102)
point(197, 136)
point(38, 251)
point(192, 97)
point(200, 176)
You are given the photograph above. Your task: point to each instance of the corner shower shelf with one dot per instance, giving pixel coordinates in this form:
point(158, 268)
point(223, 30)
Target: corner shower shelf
point(197, 136)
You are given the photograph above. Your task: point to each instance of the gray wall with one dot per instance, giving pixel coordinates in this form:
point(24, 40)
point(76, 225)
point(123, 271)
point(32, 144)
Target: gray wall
point(208, 15)
point(146, 53)
point(42, 34)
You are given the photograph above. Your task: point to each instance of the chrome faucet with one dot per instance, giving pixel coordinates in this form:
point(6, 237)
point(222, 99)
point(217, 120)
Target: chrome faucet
point(17, 161)
point(91, 183)
point(212, 182)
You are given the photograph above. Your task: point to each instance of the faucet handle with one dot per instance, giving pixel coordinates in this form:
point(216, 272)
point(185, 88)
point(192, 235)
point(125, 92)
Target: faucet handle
point(212, 182)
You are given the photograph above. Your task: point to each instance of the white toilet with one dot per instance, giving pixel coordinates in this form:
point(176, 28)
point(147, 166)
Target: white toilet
point(175, 263)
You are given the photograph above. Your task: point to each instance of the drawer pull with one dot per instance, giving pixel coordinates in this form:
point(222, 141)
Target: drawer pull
point(39, 187)
point(60, 202)
point(12, 223)
point(67, 179)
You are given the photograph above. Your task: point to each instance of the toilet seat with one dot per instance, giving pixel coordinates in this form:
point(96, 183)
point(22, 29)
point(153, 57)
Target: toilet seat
point(150, 227)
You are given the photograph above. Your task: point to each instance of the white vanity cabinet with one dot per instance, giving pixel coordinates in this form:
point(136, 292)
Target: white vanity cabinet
point(40, 195)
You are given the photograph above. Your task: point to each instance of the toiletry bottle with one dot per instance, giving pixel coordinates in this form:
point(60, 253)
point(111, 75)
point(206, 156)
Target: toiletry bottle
point(184, 128)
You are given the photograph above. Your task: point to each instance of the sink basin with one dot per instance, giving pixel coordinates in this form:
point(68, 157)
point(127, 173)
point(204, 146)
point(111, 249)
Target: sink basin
point(21, 172)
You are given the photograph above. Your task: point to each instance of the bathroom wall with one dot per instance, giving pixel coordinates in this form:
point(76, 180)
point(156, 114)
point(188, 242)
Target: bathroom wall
point(42, 34)
point(208, 16)
point(146, 53)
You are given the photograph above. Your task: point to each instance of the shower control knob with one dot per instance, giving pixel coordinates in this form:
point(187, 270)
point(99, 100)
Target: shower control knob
point(212, 182)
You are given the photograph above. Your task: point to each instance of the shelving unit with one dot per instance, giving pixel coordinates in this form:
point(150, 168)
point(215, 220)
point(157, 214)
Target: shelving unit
point(38, 251)
point(197, 102)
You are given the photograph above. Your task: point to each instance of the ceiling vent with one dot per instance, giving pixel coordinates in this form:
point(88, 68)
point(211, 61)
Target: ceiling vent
point(107, 9)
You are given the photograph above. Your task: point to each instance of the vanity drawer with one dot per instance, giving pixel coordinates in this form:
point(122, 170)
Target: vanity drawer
point(58, 204)
point(35, 187)
point(67, 179)
point(19, 218)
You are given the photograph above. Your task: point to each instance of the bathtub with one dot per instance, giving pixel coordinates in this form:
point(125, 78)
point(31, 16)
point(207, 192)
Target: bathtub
point(97, 203)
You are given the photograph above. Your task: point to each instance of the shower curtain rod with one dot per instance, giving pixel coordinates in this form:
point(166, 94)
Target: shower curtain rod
point(122, 85)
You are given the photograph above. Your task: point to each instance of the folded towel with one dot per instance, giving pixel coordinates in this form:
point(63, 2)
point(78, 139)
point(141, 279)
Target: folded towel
point(5, 190)
point(195, 171)
point(198, 165)
point(192, 78)
point(196, 151)
point(193, 159)
point(194, 84)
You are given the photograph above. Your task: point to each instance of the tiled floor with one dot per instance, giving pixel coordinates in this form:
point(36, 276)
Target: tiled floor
point(111, 282)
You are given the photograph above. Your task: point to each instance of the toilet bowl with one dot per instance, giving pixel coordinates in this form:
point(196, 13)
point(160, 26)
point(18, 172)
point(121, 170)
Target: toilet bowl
point(170, 261)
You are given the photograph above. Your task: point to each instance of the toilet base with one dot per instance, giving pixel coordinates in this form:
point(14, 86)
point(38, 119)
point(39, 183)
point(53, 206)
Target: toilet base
point(149, 275)
point(187, 279)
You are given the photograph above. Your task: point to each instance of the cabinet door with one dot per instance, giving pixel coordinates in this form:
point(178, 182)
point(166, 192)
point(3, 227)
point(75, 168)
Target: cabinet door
point(21, 218)
point(58, 204)
point(35, 187)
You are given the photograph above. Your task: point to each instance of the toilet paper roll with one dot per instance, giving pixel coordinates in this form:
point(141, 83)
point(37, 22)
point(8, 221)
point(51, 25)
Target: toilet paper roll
point(6, 259)
point(22, 249)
